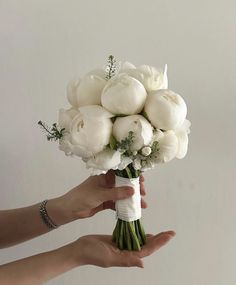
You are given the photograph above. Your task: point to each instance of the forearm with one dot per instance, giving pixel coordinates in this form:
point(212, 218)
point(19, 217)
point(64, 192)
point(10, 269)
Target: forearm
point(40, 268)
point(19, 225)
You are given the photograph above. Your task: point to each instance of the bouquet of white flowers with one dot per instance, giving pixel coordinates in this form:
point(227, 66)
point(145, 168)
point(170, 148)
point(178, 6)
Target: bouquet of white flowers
point(123, 118)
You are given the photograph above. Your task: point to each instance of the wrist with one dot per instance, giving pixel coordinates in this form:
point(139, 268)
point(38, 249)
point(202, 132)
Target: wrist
point(69, 255)
point(58, 212)
point(77, 253)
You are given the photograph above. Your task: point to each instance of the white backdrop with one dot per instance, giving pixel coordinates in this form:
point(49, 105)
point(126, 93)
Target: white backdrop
point(43, 44)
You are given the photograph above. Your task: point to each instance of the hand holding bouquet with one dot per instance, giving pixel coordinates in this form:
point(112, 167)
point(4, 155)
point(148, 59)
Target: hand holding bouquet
point(126, 119)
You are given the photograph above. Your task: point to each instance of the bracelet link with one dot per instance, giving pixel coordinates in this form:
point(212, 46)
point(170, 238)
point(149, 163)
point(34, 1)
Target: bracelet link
point(45, 217)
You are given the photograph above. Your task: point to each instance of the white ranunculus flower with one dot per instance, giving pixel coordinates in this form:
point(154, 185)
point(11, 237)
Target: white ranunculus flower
point(168, 146)
point(90, 131)
point(123, 95)
point(141, 128)
point(182, 135)
point(87, 90)
point(152, 79)
point(104, 161)
point(165, 109)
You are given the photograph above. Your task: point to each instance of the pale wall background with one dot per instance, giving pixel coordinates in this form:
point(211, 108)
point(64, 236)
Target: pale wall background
point(43, 44)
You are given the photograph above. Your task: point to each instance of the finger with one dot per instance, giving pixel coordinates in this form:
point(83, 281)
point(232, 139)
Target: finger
point(155, 243)
point(142, 189)
point(109, 205)
point(141, 179)
point(149, 236)
point(144, 204)
point(117, 193)
point(110, 178)
point(106, 180)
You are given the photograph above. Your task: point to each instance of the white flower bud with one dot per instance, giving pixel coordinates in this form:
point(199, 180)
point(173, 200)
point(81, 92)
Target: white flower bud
point(137, 164)
point(123, 95)
point(165, 109)
point(146, 150)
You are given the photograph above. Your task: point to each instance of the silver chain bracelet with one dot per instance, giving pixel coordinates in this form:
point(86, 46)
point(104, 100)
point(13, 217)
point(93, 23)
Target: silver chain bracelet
point(45, 217)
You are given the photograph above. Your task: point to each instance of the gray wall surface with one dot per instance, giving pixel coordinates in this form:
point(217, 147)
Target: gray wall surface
point(44, 44)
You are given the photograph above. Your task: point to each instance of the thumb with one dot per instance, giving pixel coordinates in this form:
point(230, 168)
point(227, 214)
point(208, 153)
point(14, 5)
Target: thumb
point(119, 193)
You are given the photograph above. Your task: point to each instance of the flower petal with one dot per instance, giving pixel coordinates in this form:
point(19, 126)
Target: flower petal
point(105, 160)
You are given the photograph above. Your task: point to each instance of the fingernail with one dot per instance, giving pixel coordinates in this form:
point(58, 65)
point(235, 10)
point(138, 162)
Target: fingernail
point(171, 233)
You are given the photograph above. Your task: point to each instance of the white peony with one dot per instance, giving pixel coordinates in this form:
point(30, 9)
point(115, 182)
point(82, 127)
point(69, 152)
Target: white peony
point(182, 135)
point(141, 128)
point(165, 109)
point(123, 95)
point(152, 79)
point(168, 146)
point(87, 90)
point(90, 132)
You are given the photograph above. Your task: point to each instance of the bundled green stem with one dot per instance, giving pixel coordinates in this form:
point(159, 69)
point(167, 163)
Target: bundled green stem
point(129, 235)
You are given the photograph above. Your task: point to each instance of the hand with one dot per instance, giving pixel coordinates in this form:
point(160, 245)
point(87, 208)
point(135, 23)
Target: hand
point(99, 250)
point(95, 194)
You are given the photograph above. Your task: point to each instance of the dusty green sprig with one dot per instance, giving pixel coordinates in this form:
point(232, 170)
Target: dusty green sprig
point(155, 147)
point(53, 133)
point(126, 143)
point(111, 67)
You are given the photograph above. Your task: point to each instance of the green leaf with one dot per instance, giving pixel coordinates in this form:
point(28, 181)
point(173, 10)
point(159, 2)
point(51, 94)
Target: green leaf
point(113, 142)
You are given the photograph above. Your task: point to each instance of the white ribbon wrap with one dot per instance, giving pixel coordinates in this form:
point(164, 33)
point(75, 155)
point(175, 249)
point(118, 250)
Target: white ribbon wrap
point(129, 209)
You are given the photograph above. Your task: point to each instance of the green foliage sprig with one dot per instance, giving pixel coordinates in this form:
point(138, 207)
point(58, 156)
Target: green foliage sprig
point(126, 143)
point(155, 147)
point(111, 67)
point(53, 133)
